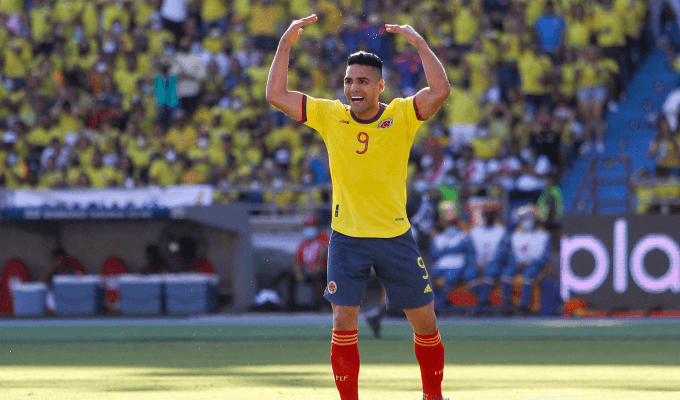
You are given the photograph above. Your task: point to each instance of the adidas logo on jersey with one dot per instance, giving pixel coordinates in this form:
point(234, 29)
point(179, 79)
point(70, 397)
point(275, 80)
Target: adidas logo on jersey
point(428, 289)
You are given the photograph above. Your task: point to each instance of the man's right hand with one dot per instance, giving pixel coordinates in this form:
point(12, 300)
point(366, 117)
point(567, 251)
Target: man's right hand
point(294, 31)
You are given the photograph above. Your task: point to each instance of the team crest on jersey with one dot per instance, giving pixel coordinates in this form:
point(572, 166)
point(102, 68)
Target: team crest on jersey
point(332, 287)
point(386, 123)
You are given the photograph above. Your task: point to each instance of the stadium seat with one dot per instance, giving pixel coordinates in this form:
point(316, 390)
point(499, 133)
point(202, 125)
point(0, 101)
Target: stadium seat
point(111, 270)
point(14, 268)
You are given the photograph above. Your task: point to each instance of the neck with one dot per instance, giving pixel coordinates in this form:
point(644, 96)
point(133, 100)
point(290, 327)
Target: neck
point(368, 113)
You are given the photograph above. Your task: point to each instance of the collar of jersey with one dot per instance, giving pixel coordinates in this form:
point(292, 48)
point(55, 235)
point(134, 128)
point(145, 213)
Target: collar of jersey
point(369, 121)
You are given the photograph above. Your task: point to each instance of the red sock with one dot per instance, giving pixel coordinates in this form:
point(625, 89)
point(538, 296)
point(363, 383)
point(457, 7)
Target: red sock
point(345, 362)
point(430, 355)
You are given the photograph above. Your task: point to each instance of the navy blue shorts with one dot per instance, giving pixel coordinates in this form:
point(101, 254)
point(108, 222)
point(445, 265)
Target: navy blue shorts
point(396, 261)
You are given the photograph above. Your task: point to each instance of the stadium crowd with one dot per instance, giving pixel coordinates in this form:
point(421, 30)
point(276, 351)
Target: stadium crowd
point(115, 93)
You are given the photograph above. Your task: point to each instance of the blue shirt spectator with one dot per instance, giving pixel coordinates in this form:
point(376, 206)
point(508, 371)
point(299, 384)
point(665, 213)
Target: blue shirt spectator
point(550, 29)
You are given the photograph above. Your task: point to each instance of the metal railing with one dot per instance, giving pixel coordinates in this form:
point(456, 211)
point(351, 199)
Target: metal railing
point(587, 199)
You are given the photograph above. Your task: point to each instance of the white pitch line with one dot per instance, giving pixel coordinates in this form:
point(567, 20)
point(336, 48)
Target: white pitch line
point(559, 397)
point(580, 395)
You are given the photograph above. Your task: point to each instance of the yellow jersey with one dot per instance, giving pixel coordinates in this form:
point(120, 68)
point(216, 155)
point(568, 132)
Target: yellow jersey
point(368, 162)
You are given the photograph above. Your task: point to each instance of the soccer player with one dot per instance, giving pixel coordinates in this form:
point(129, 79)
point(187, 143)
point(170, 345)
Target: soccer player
point(368, 147)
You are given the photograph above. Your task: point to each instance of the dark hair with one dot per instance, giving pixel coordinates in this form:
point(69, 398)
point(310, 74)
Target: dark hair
point(364, 58)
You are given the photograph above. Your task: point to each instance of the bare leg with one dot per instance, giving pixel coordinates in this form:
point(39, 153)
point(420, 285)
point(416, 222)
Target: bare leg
point(423, 319)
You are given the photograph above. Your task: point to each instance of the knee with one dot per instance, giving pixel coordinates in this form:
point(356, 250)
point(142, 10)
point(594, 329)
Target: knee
point(423, 320)
point(345, 318)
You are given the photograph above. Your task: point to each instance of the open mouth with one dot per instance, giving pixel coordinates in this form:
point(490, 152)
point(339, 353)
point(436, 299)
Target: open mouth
point(356, 99)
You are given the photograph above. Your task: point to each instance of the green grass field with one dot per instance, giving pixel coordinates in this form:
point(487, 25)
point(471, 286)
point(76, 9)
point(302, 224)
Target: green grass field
point(636, 362)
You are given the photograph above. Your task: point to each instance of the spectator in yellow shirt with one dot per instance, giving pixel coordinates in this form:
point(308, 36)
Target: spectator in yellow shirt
point(465, 25)
point(51, 177)
point(190, 174)
point(511, 43)
point(182, 134)
point(484, 146)
point(479, 67)
point(591, 83)
point(264, 18)
point(100, 175)
point(567, 73)
point(462, 114)
point(610, 29)
point(665, 149)
point(535, 70)
point(199, 153)
point(14, 172)
point(165, 170)
point(579, 30)
point(214, 13)
point(41, 136)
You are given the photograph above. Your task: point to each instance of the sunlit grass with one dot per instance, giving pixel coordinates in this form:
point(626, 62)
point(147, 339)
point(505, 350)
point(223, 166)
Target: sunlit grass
point(398, 382)
point(300, 369)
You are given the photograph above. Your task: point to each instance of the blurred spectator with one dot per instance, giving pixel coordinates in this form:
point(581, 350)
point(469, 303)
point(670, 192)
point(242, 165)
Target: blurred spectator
point(489, 242)
point(533, 171)
point(421, 211)
point(154, 261)
point(264, 18)
point(665, 149)
point(63, 264)
point(470, 169)
point(550, 29)
point(435, 163)
point(173, 15)
point(144, 85)
point(534, 70)
point(466, 23)
point(671, 109)
point(309, 267)
point(644, 191)
point(609, 28)
point(592, 94)
point(190, 71)
point(462, 114)
point(57, 152)
point(452, 254)
point(666, 192)
point(529, 246)
point(579, 29)
point(550, 205)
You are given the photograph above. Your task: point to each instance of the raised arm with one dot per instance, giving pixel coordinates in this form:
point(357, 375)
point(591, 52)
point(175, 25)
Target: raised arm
point(429, 99)
point(278, 95)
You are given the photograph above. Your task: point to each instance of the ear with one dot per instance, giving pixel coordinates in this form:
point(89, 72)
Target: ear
point(381, 84)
